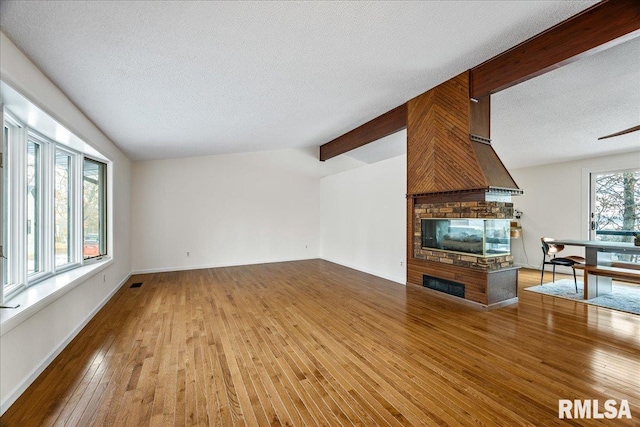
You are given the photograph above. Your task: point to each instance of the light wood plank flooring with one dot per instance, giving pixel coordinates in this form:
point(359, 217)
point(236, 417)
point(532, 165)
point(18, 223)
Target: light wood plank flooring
point(313, 343)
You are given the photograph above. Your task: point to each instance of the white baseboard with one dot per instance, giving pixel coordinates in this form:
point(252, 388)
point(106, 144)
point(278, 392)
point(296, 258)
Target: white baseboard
point(401, 280)
point(29, 379)
point(530, 266)
point(216, 265)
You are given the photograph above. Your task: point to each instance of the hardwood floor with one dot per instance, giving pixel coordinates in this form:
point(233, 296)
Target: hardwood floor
point(313, 343)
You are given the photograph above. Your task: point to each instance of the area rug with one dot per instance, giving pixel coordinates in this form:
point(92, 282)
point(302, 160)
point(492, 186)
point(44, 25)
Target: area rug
point(623, 298)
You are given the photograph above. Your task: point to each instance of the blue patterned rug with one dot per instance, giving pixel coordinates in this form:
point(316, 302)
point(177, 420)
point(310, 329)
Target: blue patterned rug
point(622, 297)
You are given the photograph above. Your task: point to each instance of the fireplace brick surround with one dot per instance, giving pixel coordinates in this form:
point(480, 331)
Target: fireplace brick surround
point(453, 210)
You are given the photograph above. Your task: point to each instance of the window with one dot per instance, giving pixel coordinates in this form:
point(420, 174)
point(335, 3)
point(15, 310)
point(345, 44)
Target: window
point(94, 208)
point(34, 214)
point(12, 272)
point(615, 207)
point(54, 199)
point(62, 209)
point(3, 201)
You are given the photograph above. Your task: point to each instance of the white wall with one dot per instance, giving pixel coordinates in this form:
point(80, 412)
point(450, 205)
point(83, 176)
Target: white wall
point(29, 347)
point(555, 203)
point(363, 218)
point(273, 206)
point(226, 210)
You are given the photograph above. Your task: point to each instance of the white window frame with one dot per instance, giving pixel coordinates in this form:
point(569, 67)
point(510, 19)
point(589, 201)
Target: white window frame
point(105, 202)
point(3, 245)
point(588, 176)
point(75, 210)
point(15, 239)
point(592, 193)
point(46, 210)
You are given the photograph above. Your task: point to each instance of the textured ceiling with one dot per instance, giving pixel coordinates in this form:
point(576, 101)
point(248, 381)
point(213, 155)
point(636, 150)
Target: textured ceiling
point(177, 79)
point(561, 114)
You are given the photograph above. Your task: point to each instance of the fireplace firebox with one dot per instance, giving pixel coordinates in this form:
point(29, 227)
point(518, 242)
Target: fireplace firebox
point(442, 285)
point(479, 237)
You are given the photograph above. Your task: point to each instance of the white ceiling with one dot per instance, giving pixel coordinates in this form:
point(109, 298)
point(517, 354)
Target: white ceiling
point(178, 79)
point(560, 115)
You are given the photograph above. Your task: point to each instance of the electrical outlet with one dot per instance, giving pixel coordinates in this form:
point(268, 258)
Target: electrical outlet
point(187, 253)
point(401, 263)
point(306, 246)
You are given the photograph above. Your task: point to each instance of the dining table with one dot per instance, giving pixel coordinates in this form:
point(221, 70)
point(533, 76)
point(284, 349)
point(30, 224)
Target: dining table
point(599, 253)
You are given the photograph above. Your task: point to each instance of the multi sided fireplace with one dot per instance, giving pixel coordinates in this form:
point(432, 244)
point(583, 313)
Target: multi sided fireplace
point(463, 248)
point(458, 198)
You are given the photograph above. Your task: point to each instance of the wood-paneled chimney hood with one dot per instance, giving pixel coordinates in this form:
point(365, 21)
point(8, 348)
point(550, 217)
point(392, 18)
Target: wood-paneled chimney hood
point(449, 150)
point(453, 174)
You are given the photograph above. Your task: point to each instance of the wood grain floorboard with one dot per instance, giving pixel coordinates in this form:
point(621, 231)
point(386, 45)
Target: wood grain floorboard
point(314, 343)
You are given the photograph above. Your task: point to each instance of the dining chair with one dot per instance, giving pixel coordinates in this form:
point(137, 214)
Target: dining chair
point(549, 251)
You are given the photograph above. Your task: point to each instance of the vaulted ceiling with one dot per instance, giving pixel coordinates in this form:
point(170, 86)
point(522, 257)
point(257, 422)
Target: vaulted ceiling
point(178, 79)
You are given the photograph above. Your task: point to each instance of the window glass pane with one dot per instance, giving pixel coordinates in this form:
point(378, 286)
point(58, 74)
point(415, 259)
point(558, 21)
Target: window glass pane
point(33, 207)
point(617, 209)
point(94, 209)
point(5, 205)
point(617, 206)
point(62, 209)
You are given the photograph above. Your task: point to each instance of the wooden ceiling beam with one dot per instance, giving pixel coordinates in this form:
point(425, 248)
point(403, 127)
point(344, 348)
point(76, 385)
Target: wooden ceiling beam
point(599, 27)
point(384, 125)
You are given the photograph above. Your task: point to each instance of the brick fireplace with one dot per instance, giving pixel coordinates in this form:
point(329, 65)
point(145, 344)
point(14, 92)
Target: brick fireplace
point(449, 210)
point(482, 279)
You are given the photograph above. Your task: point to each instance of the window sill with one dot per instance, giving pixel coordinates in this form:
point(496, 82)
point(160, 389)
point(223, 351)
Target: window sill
point(40, 295)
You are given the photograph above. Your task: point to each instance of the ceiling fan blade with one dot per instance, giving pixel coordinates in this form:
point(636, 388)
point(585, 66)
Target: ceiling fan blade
point(633, 129)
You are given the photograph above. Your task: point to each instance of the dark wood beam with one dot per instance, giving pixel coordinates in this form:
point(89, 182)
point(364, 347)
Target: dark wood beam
point(597, 28)
point(384, 125)
point(622, 132)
